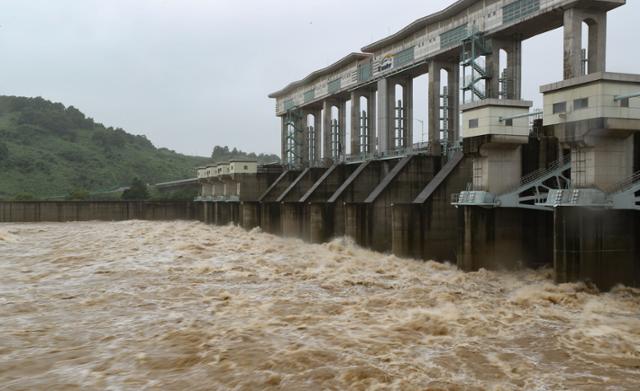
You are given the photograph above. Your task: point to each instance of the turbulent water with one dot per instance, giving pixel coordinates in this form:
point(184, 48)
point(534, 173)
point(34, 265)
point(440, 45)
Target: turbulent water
point(185, 306)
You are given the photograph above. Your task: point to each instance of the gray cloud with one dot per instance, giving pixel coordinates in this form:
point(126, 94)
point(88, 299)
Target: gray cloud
point(193, 73)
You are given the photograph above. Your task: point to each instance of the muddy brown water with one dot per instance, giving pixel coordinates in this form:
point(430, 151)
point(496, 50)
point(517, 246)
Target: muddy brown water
point(184, 306)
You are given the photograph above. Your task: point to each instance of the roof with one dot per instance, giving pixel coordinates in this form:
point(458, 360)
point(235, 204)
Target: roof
point(367, 51)
point(421, 23)
point(590, 78)
point(324, 71)
point(243, 161)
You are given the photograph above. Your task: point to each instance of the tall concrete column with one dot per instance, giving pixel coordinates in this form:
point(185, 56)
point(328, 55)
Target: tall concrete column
point(407, 104)
point(514, 70)
point(317, 128)
point(326, 132)
point(302, 139)
point(453, 91)
point(342, 127)
point(434, 106)
point(386, 104)
point(356, 112)
point(371, 114)
point(492, 64)
point(597, 42)
point(597, 22)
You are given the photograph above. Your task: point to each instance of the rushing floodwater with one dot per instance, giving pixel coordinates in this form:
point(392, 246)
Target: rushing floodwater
point(184, 306)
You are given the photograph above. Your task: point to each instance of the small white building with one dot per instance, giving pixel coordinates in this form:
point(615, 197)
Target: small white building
point(245, 166)
point(593, 97)
point(502, 117)
point(504, 125)
point(222, 169)
point(201, 172)
point(211, 171)
point(596, 116)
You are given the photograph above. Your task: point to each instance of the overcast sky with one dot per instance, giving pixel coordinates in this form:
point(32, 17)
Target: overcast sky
point(190, 74)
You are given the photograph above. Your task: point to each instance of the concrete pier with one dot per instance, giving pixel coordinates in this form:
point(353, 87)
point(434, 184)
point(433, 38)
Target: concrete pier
point(402, 184)
point(249, 214)
point(355, 189)
point(504, 238)
point(427, 228)
point(598, 246)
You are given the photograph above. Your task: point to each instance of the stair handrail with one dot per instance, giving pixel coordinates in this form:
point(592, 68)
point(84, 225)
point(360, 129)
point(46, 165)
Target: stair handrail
point(539, 173)
point(624, 185)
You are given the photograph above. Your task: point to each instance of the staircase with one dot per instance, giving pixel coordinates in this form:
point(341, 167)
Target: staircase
point(533, 190)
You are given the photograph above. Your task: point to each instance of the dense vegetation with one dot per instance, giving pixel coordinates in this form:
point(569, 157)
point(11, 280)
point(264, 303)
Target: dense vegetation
point(47, 150)
point(223, 154)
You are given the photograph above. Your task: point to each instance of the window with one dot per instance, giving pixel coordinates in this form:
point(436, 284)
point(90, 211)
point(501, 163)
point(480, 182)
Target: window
point(403, 57)
point(246, 167)
point(519, 9)
point(309, 95)
point(581, 103)
point(333, 86)
point(624, 102)
point(473, 123)
point(560, 107)
point(288, 104)
point(364, 71)
point(508, 122)
point(453, 37)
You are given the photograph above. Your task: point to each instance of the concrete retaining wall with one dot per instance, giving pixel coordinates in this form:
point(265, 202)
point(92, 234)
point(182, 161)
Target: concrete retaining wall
point(601, 246)
point(63, 211)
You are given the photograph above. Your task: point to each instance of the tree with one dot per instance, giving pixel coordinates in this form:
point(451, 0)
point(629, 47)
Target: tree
point(137, 191)
point(78, 195)
point(24, 197)
point(4, 151)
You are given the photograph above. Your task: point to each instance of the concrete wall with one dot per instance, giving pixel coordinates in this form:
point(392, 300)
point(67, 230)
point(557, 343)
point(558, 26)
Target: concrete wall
point(602, 246)
point(63, 211)
point(318, 215)
point(429, 230)
point(270, 217)
point(276, 190)
point(304, 182)
point(607, 163)
point(504, 238)
point(403, 188)
point(358, 191)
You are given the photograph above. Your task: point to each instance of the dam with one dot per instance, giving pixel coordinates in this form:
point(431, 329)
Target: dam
point(499, 253)
point(496, 185)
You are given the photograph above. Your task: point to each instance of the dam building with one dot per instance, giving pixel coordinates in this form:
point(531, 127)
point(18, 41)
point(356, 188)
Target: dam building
point(497, 184)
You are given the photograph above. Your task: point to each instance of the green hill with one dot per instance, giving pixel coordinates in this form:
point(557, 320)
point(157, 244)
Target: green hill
point(48, 150)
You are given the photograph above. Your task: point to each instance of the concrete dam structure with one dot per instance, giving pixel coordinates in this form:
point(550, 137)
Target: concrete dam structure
point(496, 185)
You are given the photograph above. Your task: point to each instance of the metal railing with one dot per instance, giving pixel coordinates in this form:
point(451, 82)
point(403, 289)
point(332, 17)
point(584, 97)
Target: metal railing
point(533, 115)
point(628, 96)
point(624, 185)
point(542, 172)
point(415, 149)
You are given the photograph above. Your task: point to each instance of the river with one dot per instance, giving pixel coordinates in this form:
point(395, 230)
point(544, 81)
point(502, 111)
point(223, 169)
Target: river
point(185, 306)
